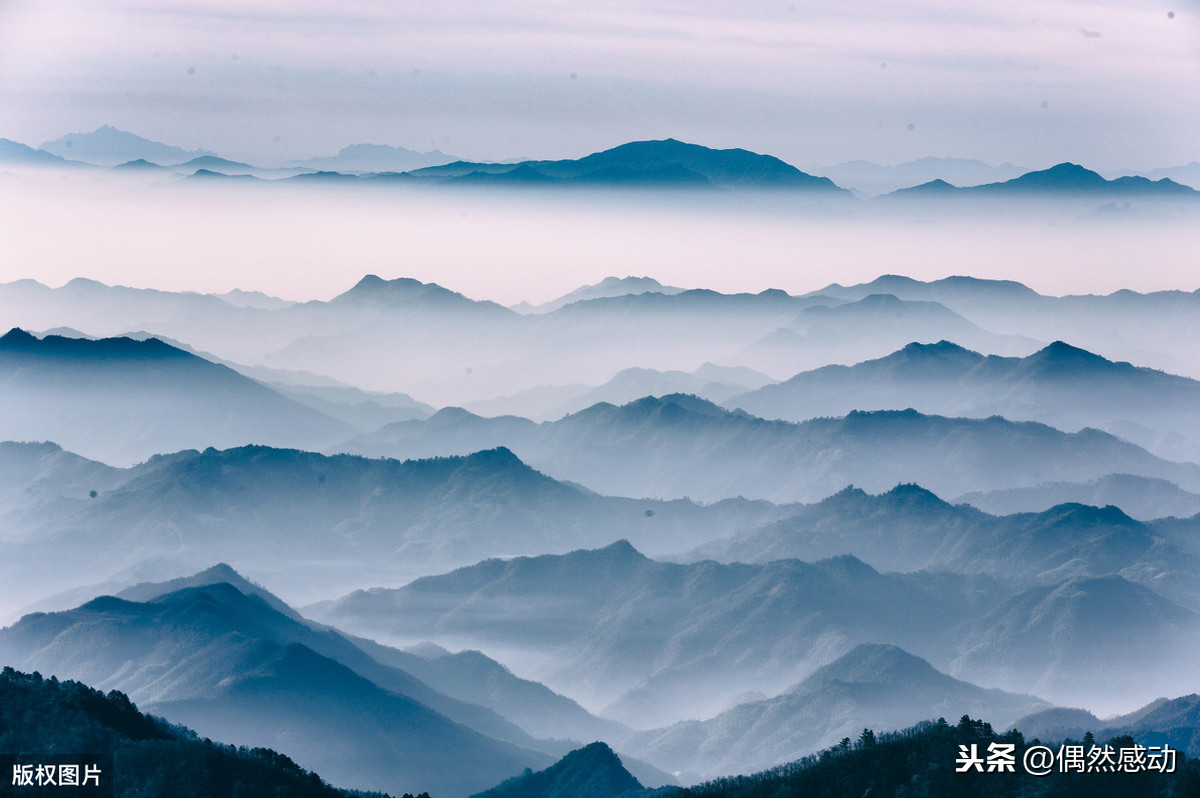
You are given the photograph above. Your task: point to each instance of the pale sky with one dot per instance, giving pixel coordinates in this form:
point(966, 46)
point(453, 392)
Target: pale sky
point(1109, 84)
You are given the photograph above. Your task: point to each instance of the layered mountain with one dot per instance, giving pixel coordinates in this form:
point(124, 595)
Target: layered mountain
point(1165, 321)
point(909, 528)
point(659, 642)
point(465, 676)
point(881, 687)
point(108, 146)
point(872, 179)
point(1174, 722)
point(233, 667)
point(1067, 179)
point(14, 153)
point(667, 164)
point(424, 340)
point(689, 638)
point(42, 717)
point(608, 287)
point(1044, 638)
point(476, 678)
point(122, 400)
point(681, 445)
point(367, 158)
point(477, 351)
point(1142, 498)
point(863, 328)
point(1061, 385)
point(320, 525)
point(548, 403)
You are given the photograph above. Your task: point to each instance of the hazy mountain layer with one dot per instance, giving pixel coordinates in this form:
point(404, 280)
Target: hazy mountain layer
point(881, 687)
point(661, 642)
point(1060, 385)
point(1142, 498)
point(550, 403)
point(691, 637)
point(122, 400)
point(317, 525)
point(850, 332)
point(1041, 640)
point(1159, 329)
point(909, 528)
point(684, 446)
point(456, 350)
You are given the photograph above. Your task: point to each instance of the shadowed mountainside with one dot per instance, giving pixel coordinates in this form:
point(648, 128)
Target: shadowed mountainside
point(122, 400)
point(233, 668)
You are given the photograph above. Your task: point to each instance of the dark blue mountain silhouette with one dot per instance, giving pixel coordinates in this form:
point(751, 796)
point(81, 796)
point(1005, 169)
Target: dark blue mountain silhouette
point(590, 772)
point(1061, 179)
point(667, 163)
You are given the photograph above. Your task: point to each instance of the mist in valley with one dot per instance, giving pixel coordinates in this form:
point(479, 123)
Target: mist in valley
point(720, 477)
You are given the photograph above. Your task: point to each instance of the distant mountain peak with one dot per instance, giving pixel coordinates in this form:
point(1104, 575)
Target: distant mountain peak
point(409, 293)
point(18, 338)
point(108, 146)
point(1060, 355)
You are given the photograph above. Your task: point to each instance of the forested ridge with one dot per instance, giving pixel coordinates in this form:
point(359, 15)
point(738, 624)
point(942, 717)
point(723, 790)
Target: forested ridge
point(150, 757)
point(924, 761)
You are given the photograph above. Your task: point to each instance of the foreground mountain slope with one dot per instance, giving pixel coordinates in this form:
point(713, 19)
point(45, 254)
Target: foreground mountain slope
point(924, 760)
point(233, 668)
point(879, 686)
point(40, 717)
point(121, 400)
point(590, 772)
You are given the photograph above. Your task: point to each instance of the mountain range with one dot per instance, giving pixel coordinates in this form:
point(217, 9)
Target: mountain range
point(909, 529)
point(276, 513)
point(671, 630)
point(460, 351)
point(665, 164)
point(1061, 179)
point(122, 400)
point(658, 641)
point(678, 445)
point(1060, 385)
point(107, 146)
point(879, 686)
